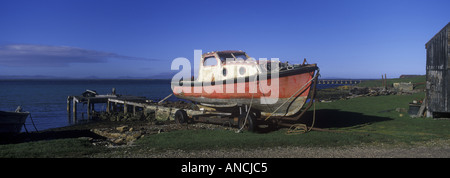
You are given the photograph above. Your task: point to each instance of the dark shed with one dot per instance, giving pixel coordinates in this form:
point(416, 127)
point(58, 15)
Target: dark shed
point(438, 72)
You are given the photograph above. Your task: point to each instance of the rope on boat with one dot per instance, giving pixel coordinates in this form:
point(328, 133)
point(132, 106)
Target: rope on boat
point(31, 118)
point(26, 130)
point(301, 89)
point(302, 128)
point(165, 98)
point(249, 108)
point(246, 116)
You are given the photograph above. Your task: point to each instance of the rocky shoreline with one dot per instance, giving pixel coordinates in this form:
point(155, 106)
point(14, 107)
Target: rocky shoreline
point(349, 92)
point(127, 133)
point(114, 133)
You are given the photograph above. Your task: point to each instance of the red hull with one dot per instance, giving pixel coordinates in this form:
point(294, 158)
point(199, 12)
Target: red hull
point(290, 95)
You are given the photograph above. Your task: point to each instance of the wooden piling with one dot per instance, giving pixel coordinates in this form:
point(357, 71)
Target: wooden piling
point(108, 106)
point(125, 108)
point(74, 107)
point(88, 109)
point(69, 98)
point(68, 104)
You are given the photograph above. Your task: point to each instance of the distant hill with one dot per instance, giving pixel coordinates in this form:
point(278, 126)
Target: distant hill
point(409, 76)
point(168, 75)
point(30, 77)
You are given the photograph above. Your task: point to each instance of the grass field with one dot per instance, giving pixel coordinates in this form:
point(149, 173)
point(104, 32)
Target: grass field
point(362, 120)
point(69, 147)
point(419, 80)
point(359, 120)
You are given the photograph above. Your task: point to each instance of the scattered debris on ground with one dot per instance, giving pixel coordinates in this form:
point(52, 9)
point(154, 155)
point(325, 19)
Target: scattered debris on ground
point(128, 132)
point(349, 92)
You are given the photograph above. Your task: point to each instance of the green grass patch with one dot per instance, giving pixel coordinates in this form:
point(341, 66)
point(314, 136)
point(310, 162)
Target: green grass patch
point(378, 83)
point(359, 120)
point(72, 147)
point(378, 115)
point(223, 139)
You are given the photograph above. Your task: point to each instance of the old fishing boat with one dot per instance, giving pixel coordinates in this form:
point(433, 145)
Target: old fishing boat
point(12, 121)
point(233, 81)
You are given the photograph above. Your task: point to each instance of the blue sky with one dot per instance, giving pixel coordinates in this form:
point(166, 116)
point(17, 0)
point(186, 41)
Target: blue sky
point(112, 38)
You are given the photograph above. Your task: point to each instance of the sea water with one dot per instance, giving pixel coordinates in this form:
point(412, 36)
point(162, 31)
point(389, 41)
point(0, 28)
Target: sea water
point(46, 100)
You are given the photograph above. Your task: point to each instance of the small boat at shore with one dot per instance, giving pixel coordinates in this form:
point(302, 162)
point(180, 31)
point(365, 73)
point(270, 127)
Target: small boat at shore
point(12, 121)
point(232, 79)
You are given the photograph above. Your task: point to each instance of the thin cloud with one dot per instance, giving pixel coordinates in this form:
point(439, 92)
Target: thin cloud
point(54, 56)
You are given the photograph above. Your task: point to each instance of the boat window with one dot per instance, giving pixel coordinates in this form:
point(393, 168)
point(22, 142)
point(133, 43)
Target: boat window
point(241, 56)
point(225, 56)
point(210, 61)
point(242, 70)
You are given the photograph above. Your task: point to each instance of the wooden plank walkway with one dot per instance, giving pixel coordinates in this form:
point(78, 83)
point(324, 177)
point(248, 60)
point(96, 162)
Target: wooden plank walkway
point(126, 104)
point(90, 101)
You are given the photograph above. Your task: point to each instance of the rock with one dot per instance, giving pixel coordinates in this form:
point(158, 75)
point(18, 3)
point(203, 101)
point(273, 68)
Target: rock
point(133, 136)
point(119, 135)
point(403, 86)
point(85, 138)
point(119, 141)
point(359, 90)
point(114, 135)
point(98, 132)
point(136, 135)
point(122, 129)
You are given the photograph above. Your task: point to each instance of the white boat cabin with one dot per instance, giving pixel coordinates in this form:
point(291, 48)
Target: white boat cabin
point(223, 65)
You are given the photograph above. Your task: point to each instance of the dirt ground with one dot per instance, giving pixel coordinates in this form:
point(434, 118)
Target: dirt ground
point(429, 149)
point(432, 149)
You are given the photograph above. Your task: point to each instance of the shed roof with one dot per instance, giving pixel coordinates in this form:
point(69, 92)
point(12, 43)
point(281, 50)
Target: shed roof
point(446, 26)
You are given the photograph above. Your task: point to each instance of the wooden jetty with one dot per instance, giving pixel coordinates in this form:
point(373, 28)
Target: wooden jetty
point(90, 101)
point(125, 104)
point(340, 82)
